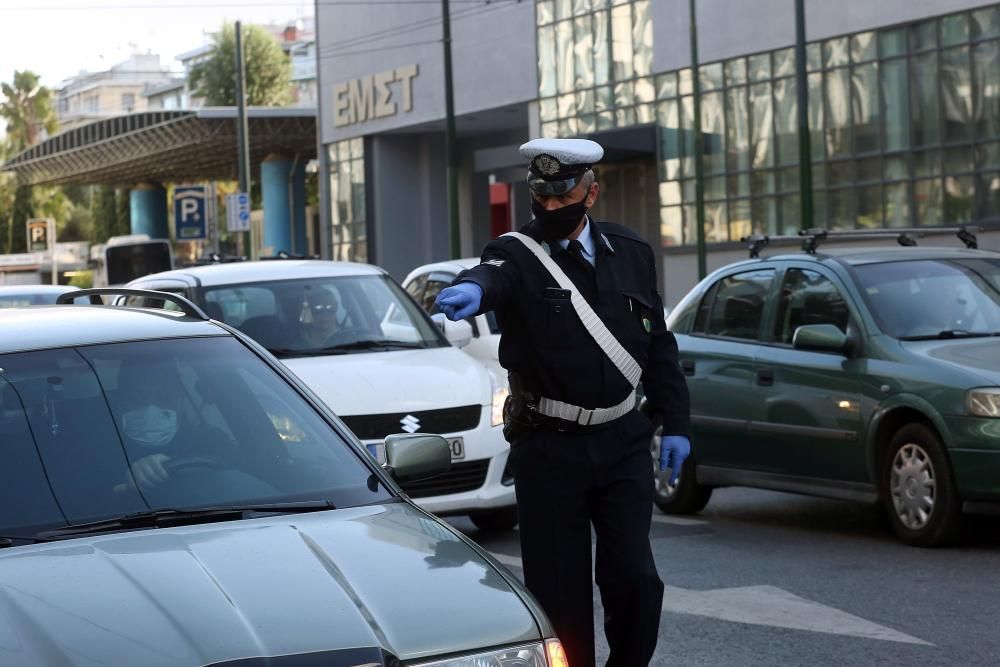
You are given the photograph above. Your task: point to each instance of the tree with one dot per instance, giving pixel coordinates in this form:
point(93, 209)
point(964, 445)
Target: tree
point(123, 212)
point(103, 214)
point(24, 209)
point(268, 71)
point(27, 108)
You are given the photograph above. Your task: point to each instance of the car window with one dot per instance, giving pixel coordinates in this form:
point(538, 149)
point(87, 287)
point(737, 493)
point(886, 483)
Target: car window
point(807, 297)
point(236, 305)
point(435, 283)
point(416, 286)
point(734, 307)
point(76, 425)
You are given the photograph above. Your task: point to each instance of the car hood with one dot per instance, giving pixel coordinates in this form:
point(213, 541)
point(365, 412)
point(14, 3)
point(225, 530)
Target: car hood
point(977, 356)
point(382, 578)
point(400, 381)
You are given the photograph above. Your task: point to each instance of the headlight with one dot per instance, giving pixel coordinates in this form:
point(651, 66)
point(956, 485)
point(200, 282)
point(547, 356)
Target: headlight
point(531, 655)
point(983, 402)
point(500, 393)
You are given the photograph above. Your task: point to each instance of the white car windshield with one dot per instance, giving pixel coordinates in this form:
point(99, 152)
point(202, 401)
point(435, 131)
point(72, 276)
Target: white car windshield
point(326, 315)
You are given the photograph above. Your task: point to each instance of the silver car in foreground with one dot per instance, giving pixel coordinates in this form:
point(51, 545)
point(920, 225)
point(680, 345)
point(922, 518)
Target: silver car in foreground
point(170, 494)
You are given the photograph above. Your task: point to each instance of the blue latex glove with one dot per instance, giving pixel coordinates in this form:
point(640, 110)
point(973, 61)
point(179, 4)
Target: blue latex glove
point(673, 450)
point(460, 301)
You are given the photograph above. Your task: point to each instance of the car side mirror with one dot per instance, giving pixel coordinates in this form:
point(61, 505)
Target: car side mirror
point(415, 456)
point(459, 334)
point(820, 337)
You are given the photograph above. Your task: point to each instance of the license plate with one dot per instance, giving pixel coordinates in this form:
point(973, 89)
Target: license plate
point(457, 446)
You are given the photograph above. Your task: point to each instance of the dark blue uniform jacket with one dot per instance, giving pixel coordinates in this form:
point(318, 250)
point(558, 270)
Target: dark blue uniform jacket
point(544, 341)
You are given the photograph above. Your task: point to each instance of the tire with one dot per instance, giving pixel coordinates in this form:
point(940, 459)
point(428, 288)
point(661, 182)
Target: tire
point(497, 520)
point(684, 497)
point(918, 489)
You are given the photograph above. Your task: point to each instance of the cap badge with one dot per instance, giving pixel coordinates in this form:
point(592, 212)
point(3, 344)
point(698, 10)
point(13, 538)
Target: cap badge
point(546, 165)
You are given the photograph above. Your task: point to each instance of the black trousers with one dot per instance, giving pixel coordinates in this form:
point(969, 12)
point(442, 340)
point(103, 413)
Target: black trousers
point(566, 482)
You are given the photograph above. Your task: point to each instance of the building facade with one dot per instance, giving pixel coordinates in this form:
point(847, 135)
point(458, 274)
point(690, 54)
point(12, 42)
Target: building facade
point(904, 115)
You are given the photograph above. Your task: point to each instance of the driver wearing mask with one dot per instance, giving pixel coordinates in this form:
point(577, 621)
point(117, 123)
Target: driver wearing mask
point(319, 317)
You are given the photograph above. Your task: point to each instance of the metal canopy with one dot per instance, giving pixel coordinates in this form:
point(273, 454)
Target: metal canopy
point(168, 146)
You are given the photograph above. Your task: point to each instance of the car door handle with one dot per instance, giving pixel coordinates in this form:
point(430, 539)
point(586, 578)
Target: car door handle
point(765, 377)
point(687, 366)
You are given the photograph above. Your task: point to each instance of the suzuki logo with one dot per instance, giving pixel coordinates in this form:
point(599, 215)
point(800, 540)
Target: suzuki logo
point(410, 424)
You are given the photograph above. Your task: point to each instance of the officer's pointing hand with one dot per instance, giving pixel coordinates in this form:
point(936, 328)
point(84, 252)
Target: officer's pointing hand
point(673, 450)
point(460, 301)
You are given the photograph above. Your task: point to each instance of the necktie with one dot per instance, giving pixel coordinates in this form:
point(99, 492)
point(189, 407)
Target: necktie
point(576, 248)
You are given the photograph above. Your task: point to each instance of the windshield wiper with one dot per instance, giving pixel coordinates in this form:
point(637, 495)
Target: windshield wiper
point(8, 540)
point(372, 344)
point(164, 518)
point(951, 333)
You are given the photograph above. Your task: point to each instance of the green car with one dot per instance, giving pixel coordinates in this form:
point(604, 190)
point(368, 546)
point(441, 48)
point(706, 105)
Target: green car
point(870, 375)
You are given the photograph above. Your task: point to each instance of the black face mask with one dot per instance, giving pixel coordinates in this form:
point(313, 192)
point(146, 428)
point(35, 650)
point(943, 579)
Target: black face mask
point(558, 223)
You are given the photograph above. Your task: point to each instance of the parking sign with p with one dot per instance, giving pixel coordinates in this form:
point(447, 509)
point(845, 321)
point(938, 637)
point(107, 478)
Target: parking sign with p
point(189, 212)
point(38, 234)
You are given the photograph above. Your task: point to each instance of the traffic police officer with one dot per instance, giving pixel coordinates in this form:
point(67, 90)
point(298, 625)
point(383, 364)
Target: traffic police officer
point(579, 449)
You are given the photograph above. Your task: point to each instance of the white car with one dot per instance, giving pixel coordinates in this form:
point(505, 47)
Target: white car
point(16, 296)
point(382, 365)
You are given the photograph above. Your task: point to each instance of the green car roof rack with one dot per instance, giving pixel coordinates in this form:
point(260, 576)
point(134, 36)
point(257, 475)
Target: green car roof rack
point(811, 238)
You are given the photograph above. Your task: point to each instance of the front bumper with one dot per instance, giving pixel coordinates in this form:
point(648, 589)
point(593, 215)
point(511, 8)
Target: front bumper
point(974, 450)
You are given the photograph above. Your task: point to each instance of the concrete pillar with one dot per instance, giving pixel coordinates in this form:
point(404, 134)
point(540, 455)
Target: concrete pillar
point(148, 206)
point(283, 191)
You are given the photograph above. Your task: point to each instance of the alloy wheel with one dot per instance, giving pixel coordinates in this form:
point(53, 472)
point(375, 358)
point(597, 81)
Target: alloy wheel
point(913, 486)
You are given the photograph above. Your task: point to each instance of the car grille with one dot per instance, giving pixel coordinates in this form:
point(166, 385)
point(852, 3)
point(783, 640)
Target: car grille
point(462, 476)
point(448, 420)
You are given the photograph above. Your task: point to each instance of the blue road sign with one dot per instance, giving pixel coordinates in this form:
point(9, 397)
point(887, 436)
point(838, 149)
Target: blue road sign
point(189, 212)
point(238, 212)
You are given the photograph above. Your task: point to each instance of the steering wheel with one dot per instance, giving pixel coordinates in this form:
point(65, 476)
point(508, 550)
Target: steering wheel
point(183, 464)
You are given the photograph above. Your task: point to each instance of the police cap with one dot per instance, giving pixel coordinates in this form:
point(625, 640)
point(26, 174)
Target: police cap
point(557, 165)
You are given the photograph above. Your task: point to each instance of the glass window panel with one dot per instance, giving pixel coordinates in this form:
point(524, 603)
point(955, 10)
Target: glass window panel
point(791, 214)
point(564, 9)
point(602, 59)
point(690, 224)
point(988, 195)
point(926, 163)
point(865, 101)
point(897, 205)
point(959, 160)
point(894, 169)
point(838, 113)
point(624, 94)
point(788, 179)
point(739, 185)
point(581, 6)
point(715, 187)
point(713, 132)
point(585, 102)
point(547, 109)
point(954, 30)
point(587, 123)
point(924, 108)
point(840, 172)
point(786, 121)
point(685, 85)
point(716, 222)
point(923, 36)
point(550, 130)
point(740, 222)
point(956, 94)
point(711, 76)
point(621, 42)
point(986, 89)
point(642, 38)
point(762, 182)
point(784, 63)
point(988, 156)
point(666, 86)
point(764, 213)
point(544, 12)
point(564, 56)
point(760, 67)
point(689, 190)
point(645, 113)
point(644, 90)
point(762, 117)
point(625, 117)
point(819, 176)
point(895, 94)
point(358, 189)
point(546, 61)
point(959, 199)
point(737, 129)
point(668, 119)
point(869, 207)
point(836, 52)
point(840, 208)
point(671, 225)
point(820, 211)
point(986, 23)
point(869, 170)
point(670, 193)
point(583, 51)
point(736, 71)
point(605, 120)
point(567, 103)
point(863, 47)
point(814, 57)
point(357, 148)
point(817, 137)
point(687, 144)
point(927, 196)
point(892, 42)
point(603, 98)
point(569, 127)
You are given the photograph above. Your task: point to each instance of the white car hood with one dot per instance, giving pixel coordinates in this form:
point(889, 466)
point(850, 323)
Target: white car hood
point(399, 381)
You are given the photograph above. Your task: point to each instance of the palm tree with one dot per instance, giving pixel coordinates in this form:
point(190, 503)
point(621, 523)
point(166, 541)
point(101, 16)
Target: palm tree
point(27, 108)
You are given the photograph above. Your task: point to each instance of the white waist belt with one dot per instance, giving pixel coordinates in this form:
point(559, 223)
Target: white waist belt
point(582, 416)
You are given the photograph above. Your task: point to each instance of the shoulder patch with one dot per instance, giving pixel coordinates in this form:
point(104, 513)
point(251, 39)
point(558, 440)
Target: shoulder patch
point(494, 262)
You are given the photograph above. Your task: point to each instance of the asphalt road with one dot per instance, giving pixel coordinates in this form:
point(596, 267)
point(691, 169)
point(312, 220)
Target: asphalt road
point(762, 578)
